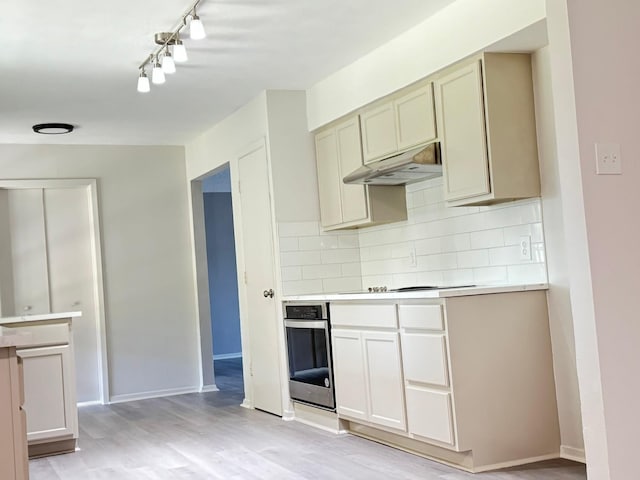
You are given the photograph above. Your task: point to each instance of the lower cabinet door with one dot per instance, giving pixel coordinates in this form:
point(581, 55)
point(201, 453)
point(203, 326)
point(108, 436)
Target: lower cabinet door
point(429, 414)
point(48, 393)
point(349, 374)
point(384, 378)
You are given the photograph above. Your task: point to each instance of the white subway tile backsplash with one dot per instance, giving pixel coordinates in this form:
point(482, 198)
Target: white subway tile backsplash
point(329, 242)
point(311, 272)
point(348, 241)
point(487, 238)
point(341, 255)
point(290, 259)
point(453, 245)
point(430, 278)
point(444, 261)
point(309, 243)
point(351, 269)
point(288, 244)
point(291, 273)
point(458, 277)
point(505, 256)
point(490, 276)
point(301, 287)
point(527, 273)
point(342, 284)
point(473, 259)
point(415, 199)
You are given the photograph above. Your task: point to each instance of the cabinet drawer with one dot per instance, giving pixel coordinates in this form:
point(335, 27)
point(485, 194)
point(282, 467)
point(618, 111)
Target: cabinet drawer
point(427, 317)
point(363, 315)
point(429, 414)
point(424, 357)
point(44, 335)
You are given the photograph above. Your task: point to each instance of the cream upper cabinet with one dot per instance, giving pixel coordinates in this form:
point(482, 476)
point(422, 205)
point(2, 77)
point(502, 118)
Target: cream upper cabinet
point(338, 153)
point(486, 124)
point(404, 121)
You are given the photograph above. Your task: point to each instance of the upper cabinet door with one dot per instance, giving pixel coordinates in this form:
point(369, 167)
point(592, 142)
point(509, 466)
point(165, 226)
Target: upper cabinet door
point(354, 197)
point(378, 132)
point(329, 179)
point(415, 121)
point(460, 111)
point(28, 251)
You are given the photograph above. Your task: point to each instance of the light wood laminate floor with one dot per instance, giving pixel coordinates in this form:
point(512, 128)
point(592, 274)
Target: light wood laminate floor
point(209, 436)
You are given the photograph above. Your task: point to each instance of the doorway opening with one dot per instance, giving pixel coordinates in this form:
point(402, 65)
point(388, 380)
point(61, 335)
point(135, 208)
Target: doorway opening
point(223, 285)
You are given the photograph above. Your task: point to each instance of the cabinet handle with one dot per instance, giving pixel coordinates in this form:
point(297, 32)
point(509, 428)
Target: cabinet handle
point(26, 308)
point(75, 304)
point(268, 293)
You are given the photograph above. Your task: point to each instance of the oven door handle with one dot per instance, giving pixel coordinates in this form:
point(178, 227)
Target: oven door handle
point(306, 323)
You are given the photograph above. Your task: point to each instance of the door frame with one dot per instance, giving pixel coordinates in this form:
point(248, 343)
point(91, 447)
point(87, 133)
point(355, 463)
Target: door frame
point(202, 284)
point(91, 185)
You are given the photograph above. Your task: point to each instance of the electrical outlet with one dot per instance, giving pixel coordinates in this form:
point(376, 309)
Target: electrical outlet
point(525, 247)
point(608, 159)
point(413, 260)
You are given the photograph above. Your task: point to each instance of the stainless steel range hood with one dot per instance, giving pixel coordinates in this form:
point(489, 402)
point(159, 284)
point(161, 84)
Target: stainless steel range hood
point(408, 167)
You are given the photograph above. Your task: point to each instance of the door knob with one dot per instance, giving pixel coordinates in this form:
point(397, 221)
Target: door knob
point(268, 293)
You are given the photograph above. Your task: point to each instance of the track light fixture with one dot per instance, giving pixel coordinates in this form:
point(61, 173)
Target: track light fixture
point(170, 49)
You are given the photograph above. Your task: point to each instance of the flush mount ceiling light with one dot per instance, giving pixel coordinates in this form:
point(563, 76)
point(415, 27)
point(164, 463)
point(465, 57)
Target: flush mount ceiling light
point(53, 128)
point(171, 50)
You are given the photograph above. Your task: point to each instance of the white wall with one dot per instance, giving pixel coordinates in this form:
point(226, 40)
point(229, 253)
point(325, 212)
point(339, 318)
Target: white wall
point(456, 31)
point(558, 296)
point(596, 99)
point(150, 316)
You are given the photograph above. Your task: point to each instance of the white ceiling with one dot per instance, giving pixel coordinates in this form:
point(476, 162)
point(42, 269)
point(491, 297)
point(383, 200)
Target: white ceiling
point(76, 61)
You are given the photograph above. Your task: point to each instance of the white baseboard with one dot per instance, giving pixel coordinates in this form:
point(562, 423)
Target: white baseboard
point(131, 397)
point(246, 404)
point(209, 388)
point(225, 356)
point(88, 404)
point(572, 453)
point(515, 463)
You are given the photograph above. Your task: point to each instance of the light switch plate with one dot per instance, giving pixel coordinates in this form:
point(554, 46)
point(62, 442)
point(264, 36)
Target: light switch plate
point(608, 159)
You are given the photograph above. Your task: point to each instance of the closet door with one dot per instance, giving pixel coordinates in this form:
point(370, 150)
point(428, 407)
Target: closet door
point(71, 277)
point(28, 251)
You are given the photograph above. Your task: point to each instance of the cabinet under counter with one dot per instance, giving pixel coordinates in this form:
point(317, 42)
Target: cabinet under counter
point(476, 387)
point(49, 381)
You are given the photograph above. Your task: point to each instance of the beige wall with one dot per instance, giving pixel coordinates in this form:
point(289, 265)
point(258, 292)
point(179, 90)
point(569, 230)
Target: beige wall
point(558, 296)
point(455, 32)
point(150, 317)
point(596, 98)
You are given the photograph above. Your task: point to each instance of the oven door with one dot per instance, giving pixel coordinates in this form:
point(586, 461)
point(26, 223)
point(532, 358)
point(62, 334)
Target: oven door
point(309, 354)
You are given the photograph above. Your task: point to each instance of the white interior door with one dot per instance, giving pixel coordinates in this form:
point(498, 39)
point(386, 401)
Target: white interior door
point(262, 326)
point(68, 226)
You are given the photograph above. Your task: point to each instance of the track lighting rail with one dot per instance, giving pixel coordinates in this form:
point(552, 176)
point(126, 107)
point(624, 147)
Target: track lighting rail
point(168, 39)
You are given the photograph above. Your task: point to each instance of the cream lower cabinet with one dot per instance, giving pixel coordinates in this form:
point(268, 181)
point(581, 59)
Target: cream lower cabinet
point(49, 386)
point(338, 153)
point(367, 365)
point(486, 126)
point(13, 443)
point(473, 385)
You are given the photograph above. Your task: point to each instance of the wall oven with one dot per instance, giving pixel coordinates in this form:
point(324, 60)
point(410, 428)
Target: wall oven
point(309, 353)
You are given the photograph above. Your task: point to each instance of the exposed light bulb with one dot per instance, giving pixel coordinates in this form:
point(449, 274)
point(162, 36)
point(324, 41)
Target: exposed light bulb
point(196, 29)
point(168, 65)
point(179, 52)
point(143, 82)
point(157, 75)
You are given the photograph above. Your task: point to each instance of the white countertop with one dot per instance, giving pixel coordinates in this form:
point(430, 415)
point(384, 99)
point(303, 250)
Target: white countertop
point(39, 317)
point(11, 338)
point(417, 294)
